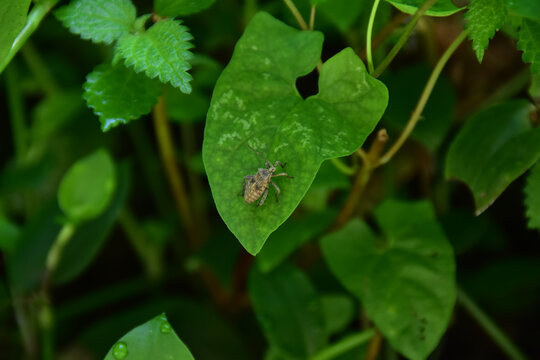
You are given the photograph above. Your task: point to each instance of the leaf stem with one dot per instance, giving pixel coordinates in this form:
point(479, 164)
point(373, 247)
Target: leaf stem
point(403, 38)
point(296, 14)
point(374, 347)
point(489, 326)
point(55, 253)
point(312, 17)
point(347, 170)
point(368, 35)
point(343, 345)
point(415, 116)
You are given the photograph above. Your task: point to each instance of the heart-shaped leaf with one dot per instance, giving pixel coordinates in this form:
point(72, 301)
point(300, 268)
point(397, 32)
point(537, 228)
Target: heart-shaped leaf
point(255, 102)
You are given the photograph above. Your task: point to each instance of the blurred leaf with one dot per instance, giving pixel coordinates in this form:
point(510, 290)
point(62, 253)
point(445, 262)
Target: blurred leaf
point(118, 94)
point(532, 197)
point(406, 285)
point(255, 102)
point(221, 255)
point(98, 20)
point(484, 17)
point(342, 13)
point(440, 8)
point(338, 311)
point(492, 149)
point(16, 177)
point(405, 87)
point(9, 235)
point(183, 108)
point(289, 311)
point(154, 340)
point(529, 33)
point(161, 51)
point(291, 235)
point(180, 7)
point(327, 180)
point(525, 8)
point(87, 187)
point(12, 19)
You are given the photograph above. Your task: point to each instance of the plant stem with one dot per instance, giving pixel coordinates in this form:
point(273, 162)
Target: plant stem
point(368, 35)
point(500, 338)
point(39, 69)
point(16, 114)
point(296, 14)
point(46, 323)
point(312, 17)
point(347, 170)
point(36, 15)
point(415, 116)
point(403, 38)
point(343, 345)
point(374, 346)
point(55, 253)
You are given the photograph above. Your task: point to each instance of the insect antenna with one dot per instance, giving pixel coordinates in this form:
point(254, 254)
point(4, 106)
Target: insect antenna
point(256, 152)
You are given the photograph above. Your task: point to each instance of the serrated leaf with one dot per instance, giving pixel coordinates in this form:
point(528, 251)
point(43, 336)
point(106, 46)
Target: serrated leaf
point(154, 340)
point(440, 8)
point(532, 197)
point(162, 51)
point(180, 7)
point(406, 285)
point(255, 102)
point(118, 94)
point(98, 20)
point(289, 311)
point(12, 19)
point(484, 18)
point(529, 33)
point(526, 8)
point(494, 147)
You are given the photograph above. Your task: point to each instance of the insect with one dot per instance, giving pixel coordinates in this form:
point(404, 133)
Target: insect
point(256, 185)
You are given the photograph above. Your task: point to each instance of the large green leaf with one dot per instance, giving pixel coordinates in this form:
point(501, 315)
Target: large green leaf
point(529, 33)
point(255, 102)
point(9, 234)
point(440, 8)
point(406, 284)
point(338, 311)
point(12, 18)
point(525, 8)
point(483, 19)
point(289, 311)
point(493, 148)
point(532, 197)
point(154, 340)
point(98, 20)
point(180, 7)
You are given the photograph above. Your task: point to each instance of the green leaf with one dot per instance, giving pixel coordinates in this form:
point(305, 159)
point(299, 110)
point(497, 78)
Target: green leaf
point(118, 94)
point(98, 20)
point(529, 33)
point(406, 284)
point(493, 148)
point(12, 19)
point(180, 7)
point(289, 311)
point(440, 8)
point(342, 13)
point(255, 102)
point(338, 311)
point(154, 339)
point(87, 187)
point(161, 51)
point(526, 8)
point(532, 197)
point(9, 235)
point(484, 17)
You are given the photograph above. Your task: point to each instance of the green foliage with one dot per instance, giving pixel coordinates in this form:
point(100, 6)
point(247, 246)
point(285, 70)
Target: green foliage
point(180, 7)
point(12, 19)
point(406, 282)
point(509, 148)
point(338, 311)
point(532, 197)
point(525, 8)
point(529, 33)
point(98, 20)
point(161, 51)
point(440, 8)
point(154, 339)
point(87, 187)
point(342, 13)
point(483, 19)
point(9, 235)
point(258, 105)
point(289, 311)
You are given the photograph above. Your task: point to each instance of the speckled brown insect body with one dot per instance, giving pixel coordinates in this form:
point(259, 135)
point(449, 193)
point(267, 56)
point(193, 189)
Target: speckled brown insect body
point(256, 185)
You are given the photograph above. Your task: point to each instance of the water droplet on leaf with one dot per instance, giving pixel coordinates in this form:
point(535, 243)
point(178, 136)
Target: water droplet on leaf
point(120, 350)
point(165, 327)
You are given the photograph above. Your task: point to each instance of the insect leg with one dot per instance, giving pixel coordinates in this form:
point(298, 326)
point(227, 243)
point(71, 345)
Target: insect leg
point(244, 184)
point(265, 194)
point(267, 164)
point(277, 189)
point(280, 164)
point(283, 174)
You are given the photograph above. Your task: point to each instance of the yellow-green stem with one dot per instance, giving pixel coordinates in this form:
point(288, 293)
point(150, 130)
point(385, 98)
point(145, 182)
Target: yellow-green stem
point(296, 14)
point(368, 35)
point(343, 345)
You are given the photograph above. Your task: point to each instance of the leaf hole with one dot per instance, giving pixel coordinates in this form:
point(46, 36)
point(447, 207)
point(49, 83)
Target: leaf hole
point(308, 85)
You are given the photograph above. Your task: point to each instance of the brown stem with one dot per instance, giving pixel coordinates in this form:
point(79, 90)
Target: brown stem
point(374, 346)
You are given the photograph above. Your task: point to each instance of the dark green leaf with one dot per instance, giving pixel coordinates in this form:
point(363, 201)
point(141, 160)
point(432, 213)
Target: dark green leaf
point(342, 13)
point(98, 20)
point(532, 197)
point(483, 19)
point(12, 19)
point(406, 285)
point(118, 94)
point(289, 311)
point(525, 8)
point(87, 187)
point(9, 235)
point(161, 51)
point(338, 311)
point(185, 108)
point(493, 148)
point(440, 8)
point(255, 102)
point(180, 7)
point(529, 33)
point(154, 340)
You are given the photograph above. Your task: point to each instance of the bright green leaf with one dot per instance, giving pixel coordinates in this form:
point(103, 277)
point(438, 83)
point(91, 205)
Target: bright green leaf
point(338, 311)
point(118, 94)
point(154, 340)
point(289, 311)
point(9, 235)
point(87, 187)
point(255, 102)
point(529, 33)
point(161, 51)
point(98, 20)
point(484, 17)
point(532, 197)
point(406, 283)
point(440, 8)
point(525, 8)
point(180, 7)
point(12, 19)
point(493, 148)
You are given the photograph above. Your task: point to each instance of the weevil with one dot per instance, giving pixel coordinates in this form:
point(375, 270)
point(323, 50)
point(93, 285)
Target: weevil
point(256, 185)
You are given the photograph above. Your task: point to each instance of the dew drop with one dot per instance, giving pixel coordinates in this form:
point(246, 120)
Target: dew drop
point(165, 327)
point(120, 350)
